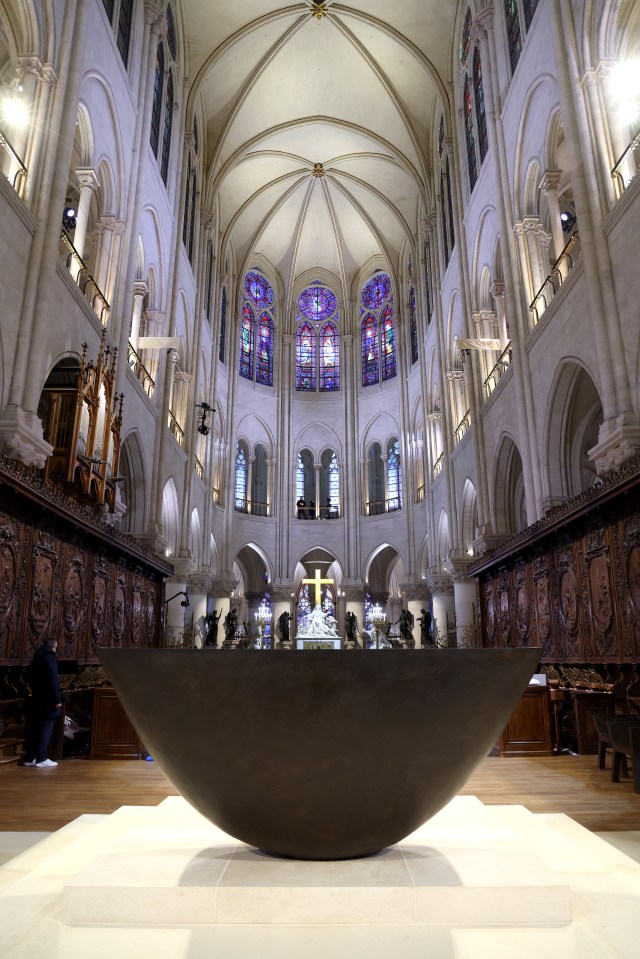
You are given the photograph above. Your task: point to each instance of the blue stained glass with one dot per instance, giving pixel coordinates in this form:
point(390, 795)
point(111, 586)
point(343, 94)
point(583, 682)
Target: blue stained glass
point(370, 372)
point(246, 343)
point(388, 345)
point(468, 123)
point(329, 358)
point(317, 303)
point(241, 479)
point(264, 371)
point(394, 477)
point(413, 326)
point(465, 39)
point(306, 358)
point(481, 117)
point(376, 291)
point(258, 289)
point(514, 36)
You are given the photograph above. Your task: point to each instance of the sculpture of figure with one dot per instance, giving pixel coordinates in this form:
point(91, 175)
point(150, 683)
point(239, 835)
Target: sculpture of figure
point(283, 622)
point(406, 626)
point(211, 625)
point(230, 625)
point(425, 628)
point(319, 624)
point(351, 627)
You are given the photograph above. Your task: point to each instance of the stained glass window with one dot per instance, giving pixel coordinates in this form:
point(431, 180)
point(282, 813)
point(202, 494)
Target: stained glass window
point(299, 478)
point(171, 31)
point(306, 358)
point(223, 325)
point(259, 294)
point(264, 367)
point(388, 344)
point(410, 265)
point(451, 231)
point(370, 369)
point(394, 477)
point(125, 16)
point(427, 279)
point(166, 132)
point(196, 136)
point(108, 5)
point(377, 330)
point(413, 326)
point(514, 35)
point(376, 291)
point(246, 343)
point(241, 480)
point(529, 10)
point(329, 358)
point(317, 346)
point(465, 39)
point(207, 307)
point(258, 289)
point(334, 482)
point(441, 137)
point(156, 109)
point(192, 215)
point(185, 219)
point(481, 117)
point(443, 217)
point(317, 303)
point(468, 130)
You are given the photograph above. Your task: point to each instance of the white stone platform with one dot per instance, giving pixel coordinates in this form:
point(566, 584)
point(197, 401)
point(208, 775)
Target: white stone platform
point(475, 881)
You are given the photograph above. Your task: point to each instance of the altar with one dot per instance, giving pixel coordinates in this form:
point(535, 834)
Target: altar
point(320, 630)
point(324, 642)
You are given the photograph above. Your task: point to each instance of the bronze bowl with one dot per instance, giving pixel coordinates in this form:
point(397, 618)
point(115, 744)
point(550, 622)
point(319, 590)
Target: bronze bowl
point(319, 754)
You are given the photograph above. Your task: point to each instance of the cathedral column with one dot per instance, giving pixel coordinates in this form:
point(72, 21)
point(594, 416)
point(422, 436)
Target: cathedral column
point(316, 485)
point(250, 461)
point(516, 310)
point(444, 610)
point(199, 587)
point(619, 435)
point(38, 81)
point(385, 460)
point(271, 465)
point(108, 234)
point(282, 602)
point(417, 598)
point(21, 434)
point(178, 618)
point(497, 292)
point(599, 112)
point(88, 182)
point(140, 290)
point(538, 276)
point(354, 603)
point(549, 186)
point(464, 597)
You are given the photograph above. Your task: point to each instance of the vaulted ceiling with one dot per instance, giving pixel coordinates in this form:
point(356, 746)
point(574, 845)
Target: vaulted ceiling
point(319, 121)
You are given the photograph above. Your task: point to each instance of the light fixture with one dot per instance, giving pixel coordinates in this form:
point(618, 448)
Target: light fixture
point(624, 88)
point(263, 616)
point(69, 216)
point(204, 410)
point(14, 109)
point(185, 602)
point(568, 221)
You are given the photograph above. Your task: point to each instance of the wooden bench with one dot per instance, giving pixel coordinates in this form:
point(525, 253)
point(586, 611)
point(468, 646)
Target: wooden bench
point(625, 744)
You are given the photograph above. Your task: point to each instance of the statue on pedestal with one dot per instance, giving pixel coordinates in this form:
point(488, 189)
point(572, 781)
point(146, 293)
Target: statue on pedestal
point(283, 622)
point(426, 638)
point(211, 626)
point(230, 626)
point(351, 628)
point(406, 627)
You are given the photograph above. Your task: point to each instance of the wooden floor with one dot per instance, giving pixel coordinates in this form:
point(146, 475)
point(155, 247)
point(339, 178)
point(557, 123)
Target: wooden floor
point(44, 800)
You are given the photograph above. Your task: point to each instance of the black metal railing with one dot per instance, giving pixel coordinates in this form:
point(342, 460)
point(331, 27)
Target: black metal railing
point(176, 430)
point(86, 283)
point(199, 468)
point(627, 157)
point(438, 466)
point(498, 371)
point(17, 177)
point(559, 272)
point(378, 507)
point(463, 426)
point(140, 371)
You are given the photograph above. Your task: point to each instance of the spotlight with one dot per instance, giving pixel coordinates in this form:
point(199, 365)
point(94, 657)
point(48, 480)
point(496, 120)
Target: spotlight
point(568, 221)
point(203, 429)
point(69, 217)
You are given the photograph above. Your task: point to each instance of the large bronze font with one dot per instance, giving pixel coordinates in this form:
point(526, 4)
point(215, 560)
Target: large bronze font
point(319, 755)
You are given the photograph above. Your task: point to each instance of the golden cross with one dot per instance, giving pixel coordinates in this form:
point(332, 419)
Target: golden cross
point(318, 584)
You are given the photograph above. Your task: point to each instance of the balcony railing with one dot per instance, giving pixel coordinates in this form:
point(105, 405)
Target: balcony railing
point(176, 429)
point(140, 371)
point(12, 166)
point(215, 496)
point(498, 371)
point(420, 493)
point(559, 272)
point(78, 270)
point(463, 426)
point(438, 466)
point(199, 468)
point(378, 507)
point(626, 167)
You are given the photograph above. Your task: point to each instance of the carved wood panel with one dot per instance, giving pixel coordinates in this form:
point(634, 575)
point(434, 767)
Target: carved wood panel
point(56, 581)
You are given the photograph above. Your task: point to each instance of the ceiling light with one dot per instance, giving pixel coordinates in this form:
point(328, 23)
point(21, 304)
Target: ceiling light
point(14, 110)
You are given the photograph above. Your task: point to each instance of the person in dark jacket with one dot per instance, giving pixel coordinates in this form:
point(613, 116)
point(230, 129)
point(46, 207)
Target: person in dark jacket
point(43, 707)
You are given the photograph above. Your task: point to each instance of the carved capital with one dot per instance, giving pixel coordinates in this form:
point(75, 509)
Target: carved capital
point(140, 288)
point(87, 178)
point(439, 584)
point(550, 180)
point(30, 66)
point(21, 437)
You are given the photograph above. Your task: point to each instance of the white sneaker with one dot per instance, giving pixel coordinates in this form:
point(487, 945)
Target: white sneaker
point(46, 764)
point(30, 762)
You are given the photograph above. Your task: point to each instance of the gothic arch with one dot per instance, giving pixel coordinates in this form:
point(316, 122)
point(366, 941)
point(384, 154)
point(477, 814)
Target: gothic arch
point(509, 509)
point(196, 538)
point(132, 465)
point(443, 540)
point(170, 516)
point(573, 416)
point(468, 516)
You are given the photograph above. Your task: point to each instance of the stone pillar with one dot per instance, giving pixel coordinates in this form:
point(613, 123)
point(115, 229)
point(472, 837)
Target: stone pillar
point(88, 182)
point(464, 593)
point(364, 477)
point(316, 481)
point(444, 610)
point(199, 587)
point(140, 290)
point(497, 292)
point(549, 186)
point(282, 602)
point(178, 618)
point(271, 465)
point(354, 603)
